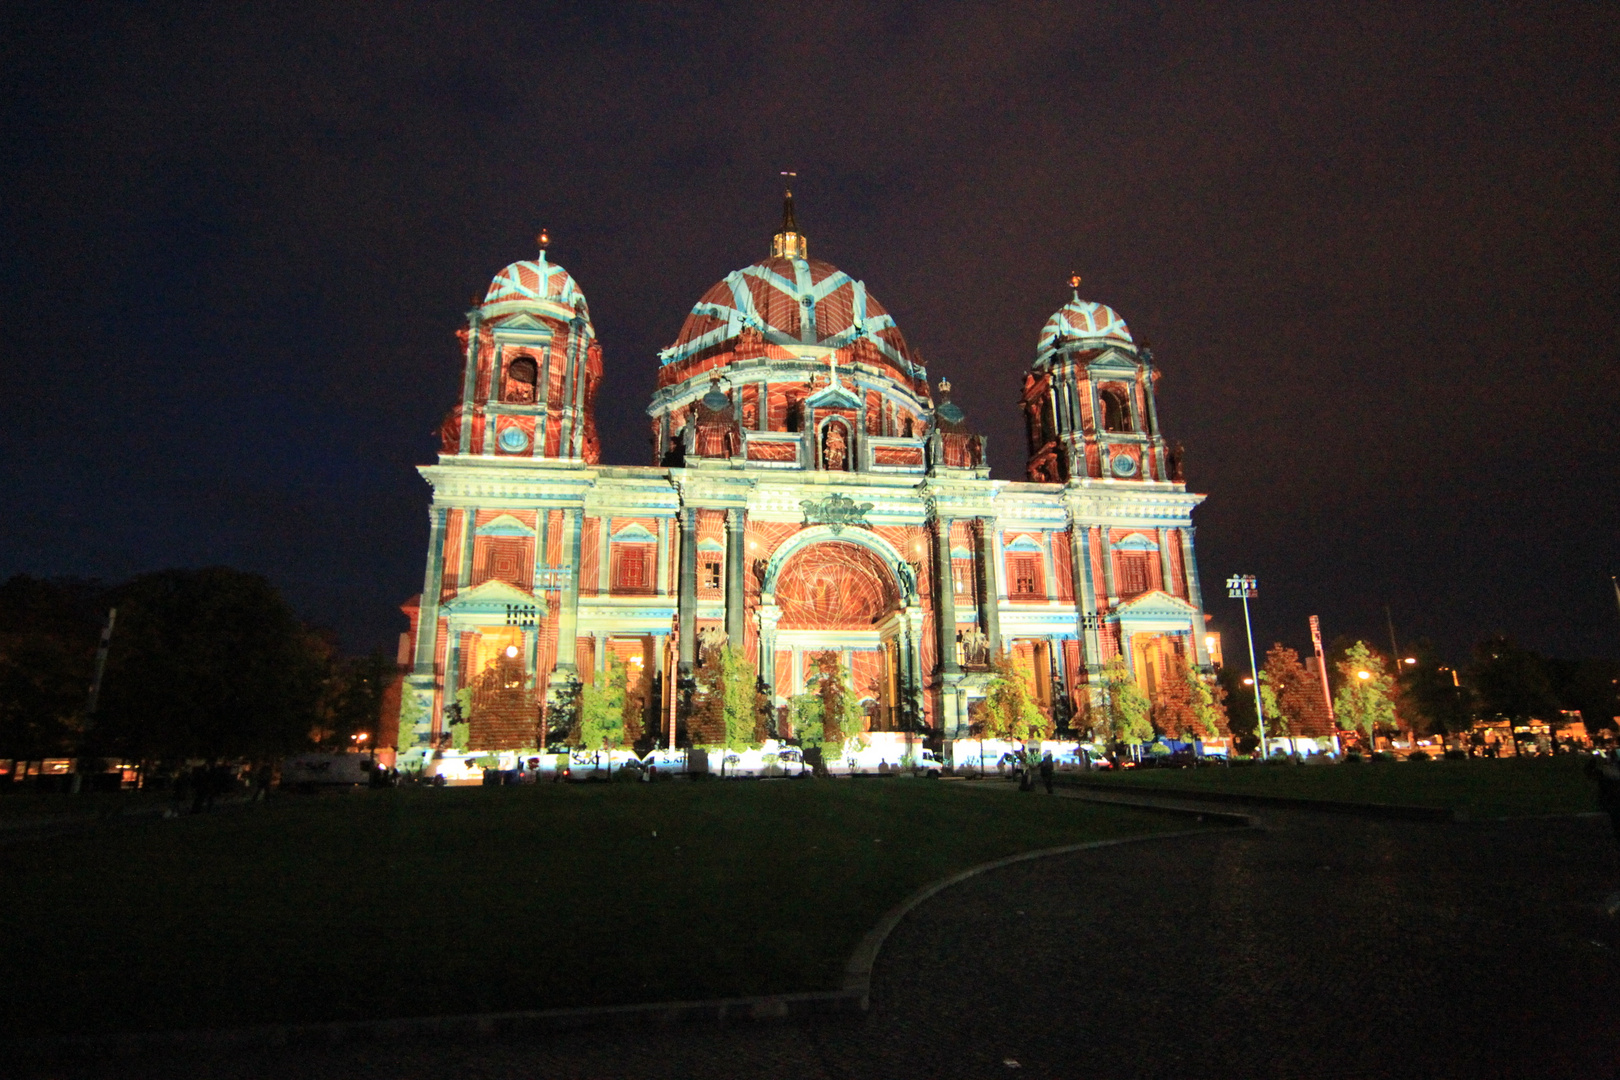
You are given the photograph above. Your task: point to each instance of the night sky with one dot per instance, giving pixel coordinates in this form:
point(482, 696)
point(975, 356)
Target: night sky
point(1372, 246)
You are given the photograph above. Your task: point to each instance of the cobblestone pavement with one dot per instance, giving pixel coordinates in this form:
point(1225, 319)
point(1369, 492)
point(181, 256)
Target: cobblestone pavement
point(1317, 946)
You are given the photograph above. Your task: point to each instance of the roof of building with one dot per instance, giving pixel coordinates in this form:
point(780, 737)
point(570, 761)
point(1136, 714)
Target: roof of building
point(1087, 320)
point(791, 301)
point(536, 283)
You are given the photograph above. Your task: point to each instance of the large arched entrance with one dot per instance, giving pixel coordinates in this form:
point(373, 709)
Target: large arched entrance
point(839, 595)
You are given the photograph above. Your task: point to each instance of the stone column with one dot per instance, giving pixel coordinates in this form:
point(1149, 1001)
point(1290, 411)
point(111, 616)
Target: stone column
point(688, 588)
point(945, 607)
point(599, 641)
point(911, 661)
point(423, 681)
point(1107, 538)
point(661, 581)
point(604, 557)
point(427, 620)
point(469, 385)
point(469, 541)
point(568, 616)
point(1167, 573)
point(452, 665)
point(769, 615)
point(542, 401)
point(990, 582)
point(542, 529)
point(1195, 595)
point(1051, 565)
point(1085, 598)
point(736, 628)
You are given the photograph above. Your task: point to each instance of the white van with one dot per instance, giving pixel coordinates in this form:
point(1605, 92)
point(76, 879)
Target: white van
point(326, 770)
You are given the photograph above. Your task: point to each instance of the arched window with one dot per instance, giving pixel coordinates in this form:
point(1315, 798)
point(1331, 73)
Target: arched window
point(521, 375)
point(1116, 409)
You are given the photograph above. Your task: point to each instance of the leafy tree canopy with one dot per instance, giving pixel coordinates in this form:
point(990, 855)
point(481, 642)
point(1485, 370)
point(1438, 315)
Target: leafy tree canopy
point(1127, 713)
point(1364, 704)
point(1009, 710)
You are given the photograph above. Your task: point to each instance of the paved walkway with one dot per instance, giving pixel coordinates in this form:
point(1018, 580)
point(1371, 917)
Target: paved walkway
point(1318, 946)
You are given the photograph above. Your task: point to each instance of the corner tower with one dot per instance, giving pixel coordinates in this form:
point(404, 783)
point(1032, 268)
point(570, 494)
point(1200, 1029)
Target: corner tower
point(531, 369)
point(1088, 401)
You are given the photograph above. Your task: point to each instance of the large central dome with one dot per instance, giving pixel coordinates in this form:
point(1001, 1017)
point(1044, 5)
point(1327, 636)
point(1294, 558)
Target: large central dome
point(790, 300)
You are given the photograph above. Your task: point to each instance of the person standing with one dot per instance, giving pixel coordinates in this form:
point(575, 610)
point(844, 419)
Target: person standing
point(1047, 767)
point(1606, 771)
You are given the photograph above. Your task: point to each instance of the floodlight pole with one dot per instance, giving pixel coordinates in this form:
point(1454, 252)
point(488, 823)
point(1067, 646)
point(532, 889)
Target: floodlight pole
point(1242, 587)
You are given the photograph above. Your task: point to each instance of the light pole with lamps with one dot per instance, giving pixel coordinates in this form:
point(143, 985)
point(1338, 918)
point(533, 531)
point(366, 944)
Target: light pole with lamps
point(1245, 587)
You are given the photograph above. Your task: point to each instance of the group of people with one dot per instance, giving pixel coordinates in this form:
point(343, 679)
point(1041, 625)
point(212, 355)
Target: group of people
point(204, 785)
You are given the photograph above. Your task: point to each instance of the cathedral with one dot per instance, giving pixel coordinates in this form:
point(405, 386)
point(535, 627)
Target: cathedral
point(809, 491)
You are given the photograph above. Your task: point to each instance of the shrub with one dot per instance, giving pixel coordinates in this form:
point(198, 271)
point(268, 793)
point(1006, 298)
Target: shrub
point(1353, 758)
point(1418, 755)
point(1384, 755)
point(1456, 755)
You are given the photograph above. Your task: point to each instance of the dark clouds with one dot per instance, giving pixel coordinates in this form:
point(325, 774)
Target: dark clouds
point(1373, 247)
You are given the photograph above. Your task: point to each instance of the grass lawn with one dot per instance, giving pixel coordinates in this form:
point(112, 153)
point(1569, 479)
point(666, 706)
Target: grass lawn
point(422, 901)
point(1505, 788)
point(26, 807)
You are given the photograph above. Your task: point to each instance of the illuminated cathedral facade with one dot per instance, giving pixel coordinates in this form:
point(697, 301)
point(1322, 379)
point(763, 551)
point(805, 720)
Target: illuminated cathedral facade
point(809, 491)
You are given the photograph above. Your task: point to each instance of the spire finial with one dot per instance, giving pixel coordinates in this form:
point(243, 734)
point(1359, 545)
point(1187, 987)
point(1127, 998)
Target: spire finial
point(543, 241)
point(789, 243)
point(1074, 283)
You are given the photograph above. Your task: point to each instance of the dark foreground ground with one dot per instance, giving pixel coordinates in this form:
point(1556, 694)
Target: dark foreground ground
point(1320, 946)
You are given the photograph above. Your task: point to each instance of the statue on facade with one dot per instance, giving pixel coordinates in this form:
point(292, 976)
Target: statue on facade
point(1172, 464)
point(834, 454)
point(450, 431)
point(908, 579)
point(975, 648)
point(711, 639)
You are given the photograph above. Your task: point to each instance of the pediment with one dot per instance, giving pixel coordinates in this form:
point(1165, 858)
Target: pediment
point(492, 596)
point(505, 525)
point(1155, 604)
point(834, 396)
point(1111, 361)
point(1135, 542)
point(634, 532)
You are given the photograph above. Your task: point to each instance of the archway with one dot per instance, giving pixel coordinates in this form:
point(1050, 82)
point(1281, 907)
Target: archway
point(840, 595)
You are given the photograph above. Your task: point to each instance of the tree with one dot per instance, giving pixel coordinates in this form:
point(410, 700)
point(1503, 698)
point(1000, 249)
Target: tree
point(1590, 686)
point(1186, 706)
point(1366, 698)
point(840, 710)
point(1433, 695)
point(1512, 683)
point(1126, 717)
point(48, 637)
point(352, 699)
point(738, 678)
point(208, 663)
point(634, 711)
point(602, 703)
point(1294, 695)
point(1009, 709)
point(763, 711)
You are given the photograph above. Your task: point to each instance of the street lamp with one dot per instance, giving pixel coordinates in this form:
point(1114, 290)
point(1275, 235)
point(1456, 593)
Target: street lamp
point(1245, 587)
